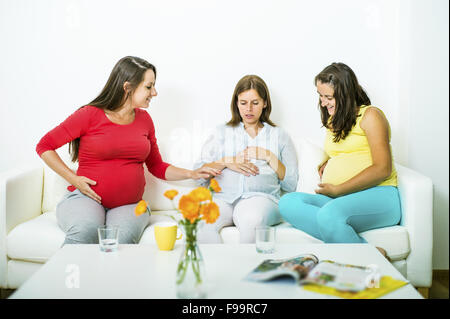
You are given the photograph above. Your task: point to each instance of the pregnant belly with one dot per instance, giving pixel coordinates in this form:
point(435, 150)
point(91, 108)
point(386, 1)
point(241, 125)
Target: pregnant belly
point(264, 182)
point(230, 181)
point(119, 186)
point(341, 168)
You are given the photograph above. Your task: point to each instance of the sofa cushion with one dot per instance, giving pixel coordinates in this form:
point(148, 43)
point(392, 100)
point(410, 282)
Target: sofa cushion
point(394, 239)
point(155, 188)
point(38, 239)
point(54, 185)
point(35, 240)
point(310, 157)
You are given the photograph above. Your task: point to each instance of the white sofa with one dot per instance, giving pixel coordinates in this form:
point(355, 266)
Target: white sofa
point(29, 234)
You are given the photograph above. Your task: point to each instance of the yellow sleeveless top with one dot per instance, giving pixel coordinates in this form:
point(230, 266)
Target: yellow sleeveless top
point(350, 156)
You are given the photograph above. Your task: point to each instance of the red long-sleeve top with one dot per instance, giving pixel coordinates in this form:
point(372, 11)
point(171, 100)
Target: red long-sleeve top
point(110, 154)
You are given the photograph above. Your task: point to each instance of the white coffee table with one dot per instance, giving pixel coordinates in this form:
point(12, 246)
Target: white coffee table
point(142, 271)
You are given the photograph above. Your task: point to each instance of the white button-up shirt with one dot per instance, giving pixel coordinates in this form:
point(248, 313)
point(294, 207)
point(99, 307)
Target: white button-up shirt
point(228, 141)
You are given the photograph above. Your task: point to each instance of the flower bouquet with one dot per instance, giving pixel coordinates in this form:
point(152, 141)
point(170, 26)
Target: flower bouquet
point(194, 207)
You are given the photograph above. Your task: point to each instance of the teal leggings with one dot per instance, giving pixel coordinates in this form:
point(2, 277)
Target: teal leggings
point(339, 220)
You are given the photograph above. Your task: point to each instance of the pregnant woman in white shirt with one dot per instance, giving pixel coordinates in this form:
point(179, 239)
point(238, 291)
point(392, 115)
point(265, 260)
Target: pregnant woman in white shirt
point(257, 160)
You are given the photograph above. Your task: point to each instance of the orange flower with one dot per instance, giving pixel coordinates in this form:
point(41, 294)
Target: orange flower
point(200, 194)
point(170, 194)
point(140, 208)
point(214, 186)
point(210, 212)
point(189, 207)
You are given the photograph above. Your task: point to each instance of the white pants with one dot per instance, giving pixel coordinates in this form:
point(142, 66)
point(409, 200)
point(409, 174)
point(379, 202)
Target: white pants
point(246, 214)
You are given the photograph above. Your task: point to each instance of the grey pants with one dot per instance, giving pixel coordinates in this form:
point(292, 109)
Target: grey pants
point(79, 216)
point(246, 214)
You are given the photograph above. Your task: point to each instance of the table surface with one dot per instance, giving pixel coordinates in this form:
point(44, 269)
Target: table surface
point(143, 271)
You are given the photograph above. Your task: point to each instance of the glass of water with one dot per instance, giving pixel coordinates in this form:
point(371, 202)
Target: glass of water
point(108, 238)
point(265, 239)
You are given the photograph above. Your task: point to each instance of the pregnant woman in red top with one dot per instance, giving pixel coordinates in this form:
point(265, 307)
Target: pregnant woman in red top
point(111, 138)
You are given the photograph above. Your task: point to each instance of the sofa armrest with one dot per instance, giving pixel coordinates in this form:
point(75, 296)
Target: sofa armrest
point(416, 194)
point(20, 200)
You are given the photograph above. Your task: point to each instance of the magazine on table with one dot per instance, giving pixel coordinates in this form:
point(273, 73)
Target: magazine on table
point(307, 269)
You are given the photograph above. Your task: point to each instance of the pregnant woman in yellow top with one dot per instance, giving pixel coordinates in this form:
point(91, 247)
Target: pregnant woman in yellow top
point(358, 190)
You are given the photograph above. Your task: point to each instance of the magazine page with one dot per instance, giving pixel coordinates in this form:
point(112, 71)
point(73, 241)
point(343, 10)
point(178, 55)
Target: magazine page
point(342, 276)
point(297, 267)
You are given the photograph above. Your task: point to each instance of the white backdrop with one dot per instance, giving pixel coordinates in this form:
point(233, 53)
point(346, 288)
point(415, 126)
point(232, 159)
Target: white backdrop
point(56, 56)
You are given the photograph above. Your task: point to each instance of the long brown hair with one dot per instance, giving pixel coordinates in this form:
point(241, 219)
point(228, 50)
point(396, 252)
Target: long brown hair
point(250, 82)
point(128, 69)
point(349, 96)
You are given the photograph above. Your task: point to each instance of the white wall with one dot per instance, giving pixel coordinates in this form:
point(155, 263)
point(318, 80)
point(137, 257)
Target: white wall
point(56, 56)
point(425, 101)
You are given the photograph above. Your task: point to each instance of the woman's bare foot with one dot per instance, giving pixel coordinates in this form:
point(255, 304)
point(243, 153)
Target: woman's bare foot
point(383, 252)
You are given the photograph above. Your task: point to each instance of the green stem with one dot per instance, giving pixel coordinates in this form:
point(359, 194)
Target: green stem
point(182, 267)
point(190, 257)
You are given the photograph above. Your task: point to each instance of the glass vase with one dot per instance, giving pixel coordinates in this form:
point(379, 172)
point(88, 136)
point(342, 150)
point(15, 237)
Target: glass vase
point(191, 269)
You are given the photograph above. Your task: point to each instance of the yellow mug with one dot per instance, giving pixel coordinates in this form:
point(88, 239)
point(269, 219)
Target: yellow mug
point(166, 235)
